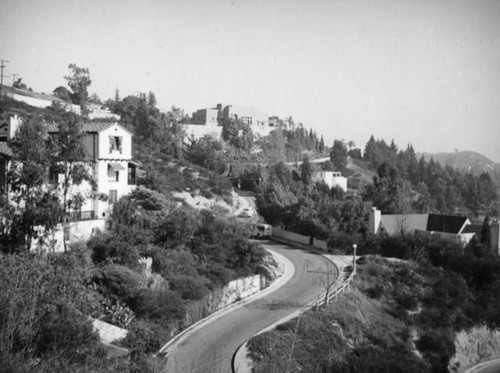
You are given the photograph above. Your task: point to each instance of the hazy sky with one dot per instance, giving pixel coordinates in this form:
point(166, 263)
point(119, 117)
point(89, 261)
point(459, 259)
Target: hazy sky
point(420, 72)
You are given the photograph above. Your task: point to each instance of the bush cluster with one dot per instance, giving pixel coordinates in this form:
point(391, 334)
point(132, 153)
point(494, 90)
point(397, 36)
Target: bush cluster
point(192, 252)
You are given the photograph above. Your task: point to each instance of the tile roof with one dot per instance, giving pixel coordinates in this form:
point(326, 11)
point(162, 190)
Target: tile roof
point(395, 224)
point(86, 127)
point(5, 149)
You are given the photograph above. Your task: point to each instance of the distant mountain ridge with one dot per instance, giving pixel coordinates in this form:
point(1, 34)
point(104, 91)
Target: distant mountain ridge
point(467, 161)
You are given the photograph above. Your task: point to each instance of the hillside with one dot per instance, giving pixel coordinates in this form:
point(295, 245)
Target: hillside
point(399, 316)
point(467, 161)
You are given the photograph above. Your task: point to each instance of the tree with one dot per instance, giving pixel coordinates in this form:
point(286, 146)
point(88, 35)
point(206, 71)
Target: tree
point(306, 171)
point(277, 145)
point(19, 84)
point(321, 146)
point(175, 125)
point(33, 205)
point(389, 192)
point(338, 155)
point(79, 82)
point(206, 152)
point(486, 232)
point(95, 99)
point(63, 93)
point(237, 133)
point(69, 158)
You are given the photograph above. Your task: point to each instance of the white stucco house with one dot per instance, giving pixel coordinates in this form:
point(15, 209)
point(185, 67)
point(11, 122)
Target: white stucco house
point(109, 148)
point(109, 151)
point(330, 178)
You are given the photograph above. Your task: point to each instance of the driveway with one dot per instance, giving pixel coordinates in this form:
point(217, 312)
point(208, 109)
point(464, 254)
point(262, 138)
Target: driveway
point(210, 348)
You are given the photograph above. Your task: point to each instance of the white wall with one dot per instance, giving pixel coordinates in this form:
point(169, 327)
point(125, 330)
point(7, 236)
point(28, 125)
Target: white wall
point(199, 130)
point(78, 231)
point(331, 178)
point(104, 183)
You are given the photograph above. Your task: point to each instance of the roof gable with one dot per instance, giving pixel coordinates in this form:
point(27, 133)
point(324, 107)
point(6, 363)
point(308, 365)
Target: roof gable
point(446, 223)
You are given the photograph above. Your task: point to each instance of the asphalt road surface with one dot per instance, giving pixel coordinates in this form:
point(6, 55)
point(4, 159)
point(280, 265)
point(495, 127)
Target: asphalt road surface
point(210, 348)
point(492, 366)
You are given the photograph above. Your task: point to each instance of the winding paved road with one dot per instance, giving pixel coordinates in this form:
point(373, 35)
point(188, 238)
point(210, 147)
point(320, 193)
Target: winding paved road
point(492, 366)
point(210, 348)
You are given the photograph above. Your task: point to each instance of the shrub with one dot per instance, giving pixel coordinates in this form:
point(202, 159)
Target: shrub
point(217, 274)
point(189, 287)
point(159, 305)
point(117, 282)
point(206, 193)
point(438, 347)
point(109, 247)
point(375, 291)
point(43, 303)
point(141, 339)
point(66, 333)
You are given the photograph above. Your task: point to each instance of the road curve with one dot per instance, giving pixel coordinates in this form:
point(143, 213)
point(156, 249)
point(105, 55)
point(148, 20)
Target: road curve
point(211, 347)
point(491, 366)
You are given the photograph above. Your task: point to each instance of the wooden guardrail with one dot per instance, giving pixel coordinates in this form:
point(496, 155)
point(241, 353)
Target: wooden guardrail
point(336, 288)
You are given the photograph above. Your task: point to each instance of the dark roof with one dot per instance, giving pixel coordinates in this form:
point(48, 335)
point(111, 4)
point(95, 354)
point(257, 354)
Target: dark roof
point(445, 223)
point(473, 228)
point(5, 149)
point(90, 127)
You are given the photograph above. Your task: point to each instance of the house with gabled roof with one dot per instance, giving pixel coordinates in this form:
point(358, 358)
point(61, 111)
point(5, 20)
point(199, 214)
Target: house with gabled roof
point(109, 149)
point(450, 226)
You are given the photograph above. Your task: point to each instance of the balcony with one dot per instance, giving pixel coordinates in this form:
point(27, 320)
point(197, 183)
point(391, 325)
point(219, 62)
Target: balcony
point(81, 215)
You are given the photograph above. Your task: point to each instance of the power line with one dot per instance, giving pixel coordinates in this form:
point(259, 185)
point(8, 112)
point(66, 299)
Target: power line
point(2, 65)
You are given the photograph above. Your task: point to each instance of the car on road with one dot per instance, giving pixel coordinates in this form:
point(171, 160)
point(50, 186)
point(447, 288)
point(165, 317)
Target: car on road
point(262, 231)
point(247, 212)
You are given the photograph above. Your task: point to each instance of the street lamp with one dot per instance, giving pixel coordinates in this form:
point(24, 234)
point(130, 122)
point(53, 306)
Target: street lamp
point(354, 258)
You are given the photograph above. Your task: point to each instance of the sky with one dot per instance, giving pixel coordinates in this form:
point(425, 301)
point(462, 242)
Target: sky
point(421, 72)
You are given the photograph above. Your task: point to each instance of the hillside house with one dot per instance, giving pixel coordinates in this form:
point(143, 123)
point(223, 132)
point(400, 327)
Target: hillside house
point(449, 226)
point(109, 148)
point(206, 121)
point(330, 178)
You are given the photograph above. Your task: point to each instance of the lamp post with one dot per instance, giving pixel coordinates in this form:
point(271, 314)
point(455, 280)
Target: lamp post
point(354, 258)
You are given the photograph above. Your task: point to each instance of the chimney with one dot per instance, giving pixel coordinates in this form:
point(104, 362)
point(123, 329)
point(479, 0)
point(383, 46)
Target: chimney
point(374, 220)
point(14, 123)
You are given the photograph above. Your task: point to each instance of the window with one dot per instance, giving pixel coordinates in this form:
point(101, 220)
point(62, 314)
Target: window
point(247, 120)
point(113, 196)
point(53, 176)
point(131, 174)
point(114, 171)
point(115, 144)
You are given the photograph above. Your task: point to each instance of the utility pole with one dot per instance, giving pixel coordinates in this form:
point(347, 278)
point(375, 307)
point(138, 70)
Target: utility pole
point(2, 65)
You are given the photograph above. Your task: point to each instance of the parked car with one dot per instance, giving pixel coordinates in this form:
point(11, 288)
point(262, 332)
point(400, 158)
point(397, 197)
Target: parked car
point(247, 212)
